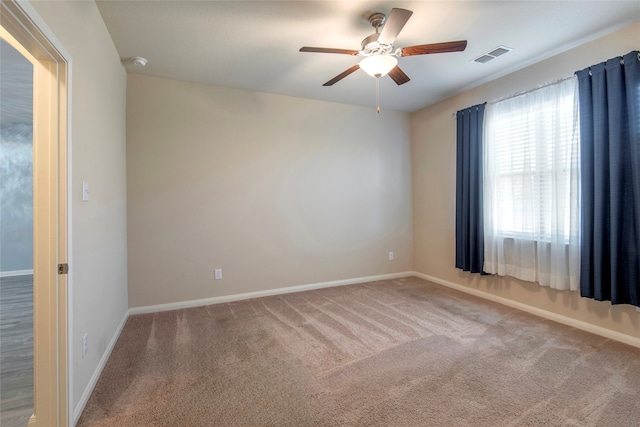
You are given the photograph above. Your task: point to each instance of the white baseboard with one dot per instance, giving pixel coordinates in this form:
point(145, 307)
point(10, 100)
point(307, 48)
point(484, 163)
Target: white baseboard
point(96, 374)
point(265, 293)
point(15, 273)
point(579, 324)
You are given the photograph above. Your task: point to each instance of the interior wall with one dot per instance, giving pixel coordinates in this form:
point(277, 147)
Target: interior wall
point(16, 198)
point(16, 162)
point(98, 251)
point(433, 145)
point(274, 190)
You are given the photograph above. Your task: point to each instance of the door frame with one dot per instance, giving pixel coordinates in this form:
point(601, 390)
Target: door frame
point(50, 188)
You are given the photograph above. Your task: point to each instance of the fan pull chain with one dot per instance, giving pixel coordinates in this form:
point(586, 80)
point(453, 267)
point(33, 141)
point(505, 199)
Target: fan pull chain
point(378, 95)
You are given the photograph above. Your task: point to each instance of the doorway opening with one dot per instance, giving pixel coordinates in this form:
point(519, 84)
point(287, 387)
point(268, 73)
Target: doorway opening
point(16, 237)
point(49, 213)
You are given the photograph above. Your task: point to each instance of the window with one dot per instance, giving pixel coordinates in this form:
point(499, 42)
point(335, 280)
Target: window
point(531, 186)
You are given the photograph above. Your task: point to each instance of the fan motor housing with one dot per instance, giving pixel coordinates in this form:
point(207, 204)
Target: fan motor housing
point(370, 42)
point(371, 46)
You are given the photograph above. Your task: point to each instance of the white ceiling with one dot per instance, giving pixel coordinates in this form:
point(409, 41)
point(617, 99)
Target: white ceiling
point(254, 44)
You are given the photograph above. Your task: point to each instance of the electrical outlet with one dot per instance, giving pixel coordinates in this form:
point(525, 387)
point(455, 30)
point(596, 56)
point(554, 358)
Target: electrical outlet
point(85, 345)
point(391, 256)
point(218, 274)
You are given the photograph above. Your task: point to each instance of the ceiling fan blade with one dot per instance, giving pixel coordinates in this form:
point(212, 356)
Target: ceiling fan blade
point(328, 50)
point(398, 76)
point(395, 22)
point(342, 75)
point(424, 49)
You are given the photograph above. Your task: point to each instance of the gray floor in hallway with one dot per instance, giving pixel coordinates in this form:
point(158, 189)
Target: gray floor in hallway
point(16, 350)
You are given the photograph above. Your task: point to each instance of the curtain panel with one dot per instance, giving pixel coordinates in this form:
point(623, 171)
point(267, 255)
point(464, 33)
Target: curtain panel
point(469, 223)
point(610, 169)
point(531, 186)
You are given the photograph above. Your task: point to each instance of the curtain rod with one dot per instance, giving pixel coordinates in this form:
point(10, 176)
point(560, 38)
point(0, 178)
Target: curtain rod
point(524, 92)
point(543, 85)
point(538, 87)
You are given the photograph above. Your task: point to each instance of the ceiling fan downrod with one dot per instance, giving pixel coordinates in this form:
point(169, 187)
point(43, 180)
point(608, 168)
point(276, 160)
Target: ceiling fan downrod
point(377, 20)
point(370, 45)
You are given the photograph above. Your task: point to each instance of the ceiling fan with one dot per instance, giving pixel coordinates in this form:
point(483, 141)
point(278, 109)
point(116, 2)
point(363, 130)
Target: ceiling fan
point(377, 49)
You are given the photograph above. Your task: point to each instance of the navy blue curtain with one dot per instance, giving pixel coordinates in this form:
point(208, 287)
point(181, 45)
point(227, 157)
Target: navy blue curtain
point(469, 227)
point(610, 179)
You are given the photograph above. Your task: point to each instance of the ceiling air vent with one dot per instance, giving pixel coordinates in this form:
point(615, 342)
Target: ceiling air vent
point(492, 54)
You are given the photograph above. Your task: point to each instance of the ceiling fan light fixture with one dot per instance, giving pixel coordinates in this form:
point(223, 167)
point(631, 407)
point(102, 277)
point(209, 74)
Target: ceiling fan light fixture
point(378, 65)
point(377, 49)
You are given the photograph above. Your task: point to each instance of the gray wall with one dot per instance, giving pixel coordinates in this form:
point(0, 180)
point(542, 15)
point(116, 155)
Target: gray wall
point(277, 191)
point(16, 160)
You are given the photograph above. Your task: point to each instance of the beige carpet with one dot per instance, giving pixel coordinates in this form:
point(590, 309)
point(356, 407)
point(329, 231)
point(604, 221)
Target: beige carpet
point(390, 353)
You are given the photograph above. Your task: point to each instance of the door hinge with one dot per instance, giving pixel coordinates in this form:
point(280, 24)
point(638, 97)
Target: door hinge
point(63, 268)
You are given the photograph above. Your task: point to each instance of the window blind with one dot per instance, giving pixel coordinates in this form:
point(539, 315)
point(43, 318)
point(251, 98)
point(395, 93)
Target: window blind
point(531, 186)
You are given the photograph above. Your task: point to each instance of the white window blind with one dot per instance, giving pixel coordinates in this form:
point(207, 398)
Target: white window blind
point(531, 186)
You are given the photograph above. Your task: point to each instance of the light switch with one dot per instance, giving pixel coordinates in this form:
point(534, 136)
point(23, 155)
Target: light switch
point(85, 191)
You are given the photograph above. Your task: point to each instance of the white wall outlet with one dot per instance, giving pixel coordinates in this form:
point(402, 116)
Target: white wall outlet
point(218, 274)
point(85, 345)
point(391, 256)
point(85, 191)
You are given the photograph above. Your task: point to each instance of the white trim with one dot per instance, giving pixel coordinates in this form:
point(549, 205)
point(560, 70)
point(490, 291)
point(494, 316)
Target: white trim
point(51, 37)
point(16, 273)
point(44, 29)
point(96, 374)
point(565, 320)
point(265, 293)
point(71, 275)
point(55, 42)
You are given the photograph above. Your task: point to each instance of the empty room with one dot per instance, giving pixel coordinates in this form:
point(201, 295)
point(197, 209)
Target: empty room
point(320, 213)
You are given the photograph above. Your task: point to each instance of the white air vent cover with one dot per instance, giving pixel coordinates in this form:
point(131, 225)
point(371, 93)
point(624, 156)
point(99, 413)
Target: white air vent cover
point(492, 54)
